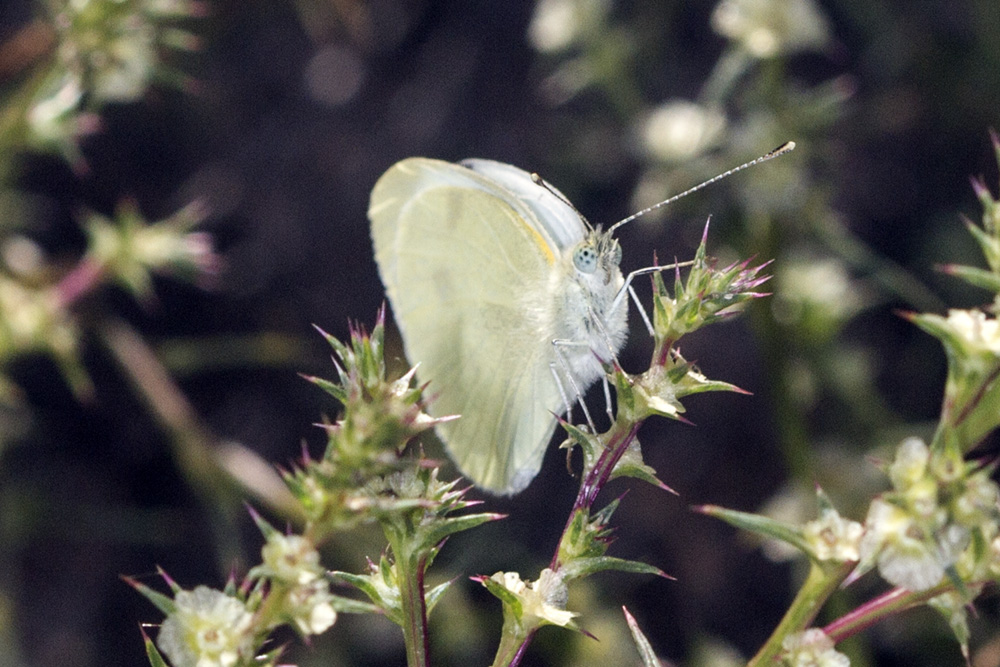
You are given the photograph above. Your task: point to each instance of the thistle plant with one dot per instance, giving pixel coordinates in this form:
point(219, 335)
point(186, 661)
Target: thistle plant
point(363, 477)
point(95, 53)
point(102, 53)
point(708, 294)
point(935, 535)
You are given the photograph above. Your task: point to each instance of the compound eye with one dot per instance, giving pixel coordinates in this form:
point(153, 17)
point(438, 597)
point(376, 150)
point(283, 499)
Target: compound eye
point(585, 259)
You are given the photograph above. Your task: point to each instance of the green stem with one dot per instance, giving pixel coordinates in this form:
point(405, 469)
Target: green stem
point(512, 648)
point(818, 587)
point(728, 69)
point(410, 578)
point(410, 570)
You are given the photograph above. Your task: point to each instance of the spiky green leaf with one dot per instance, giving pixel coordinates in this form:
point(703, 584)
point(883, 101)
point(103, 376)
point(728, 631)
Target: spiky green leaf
point(442, 528)
point(507, 597)
point(646, 652)
point(162, 602)
point(579, 568)
point(975, 276)
point(333, 388)
point(632, 465)
point(152, 653)
point(352, 606)
point(434, 595)
point(760, 525)
point(589, 444)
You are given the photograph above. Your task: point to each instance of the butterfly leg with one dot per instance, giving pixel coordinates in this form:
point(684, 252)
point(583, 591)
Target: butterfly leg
point(627, 289)
point(559, 347)
point(607, 399)
point(567, 405)
point(642, 310)
point(614, 357)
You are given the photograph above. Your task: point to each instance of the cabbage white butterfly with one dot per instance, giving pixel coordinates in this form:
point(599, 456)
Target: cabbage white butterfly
point(506, 297)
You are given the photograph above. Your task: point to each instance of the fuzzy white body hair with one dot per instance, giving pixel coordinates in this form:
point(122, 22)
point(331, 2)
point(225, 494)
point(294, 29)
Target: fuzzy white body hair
point(577, 318)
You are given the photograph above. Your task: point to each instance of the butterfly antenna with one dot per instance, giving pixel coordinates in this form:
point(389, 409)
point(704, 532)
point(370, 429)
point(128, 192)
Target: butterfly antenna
point(541, 182)
point(780, 150)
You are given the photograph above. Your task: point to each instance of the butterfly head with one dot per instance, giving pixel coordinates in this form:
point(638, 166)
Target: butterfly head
point(598, 255)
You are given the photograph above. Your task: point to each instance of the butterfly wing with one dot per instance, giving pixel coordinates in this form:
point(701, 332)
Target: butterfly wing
point(467, 268)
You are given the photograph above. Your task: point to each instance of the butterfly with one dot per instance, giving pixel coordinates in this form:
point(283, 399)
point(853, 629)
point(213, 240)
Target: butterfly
point(507, 299)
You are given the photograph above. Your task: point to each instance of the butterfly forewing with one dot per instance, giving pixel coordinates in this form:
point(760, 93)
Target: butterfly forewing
point(467, 269)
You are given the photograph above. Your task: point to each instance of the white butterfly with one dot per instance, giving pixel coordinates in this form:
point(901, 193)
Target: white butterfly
point(498, 287)
point(506, 298)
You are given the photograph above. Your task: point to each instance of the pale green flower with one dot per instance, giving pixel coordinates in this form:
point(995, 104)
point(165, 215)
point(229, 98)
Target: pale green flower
point(53, 118)
point(311, 607)
point(976, 329)
point(924, 527)
point(818, 296)
point(811, 648)
point(207, 629)
point(291, 559)
point(543, 601)
point(293, 564)
point(680, 130)
point(767, 28)
point(558, 24)
point(979, 501)
point(833, 537)
point(971, 406)
point(898, 544)
point(128, 61)
point(910, 464)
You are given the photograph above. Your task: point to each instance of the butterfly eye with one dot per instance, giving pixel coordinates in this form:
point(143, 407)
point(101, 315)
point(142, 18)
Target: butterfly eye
point(585, 259)
point(617, 254)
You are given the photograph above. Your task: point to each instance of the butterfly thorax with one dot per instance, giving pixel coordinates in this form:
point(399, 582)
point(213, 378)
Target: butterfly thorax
point(583, 309)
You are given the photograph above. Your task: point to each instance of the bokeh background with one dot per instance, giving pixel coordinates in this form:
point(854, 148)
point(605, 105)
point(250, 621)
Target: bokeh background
point(279, 115)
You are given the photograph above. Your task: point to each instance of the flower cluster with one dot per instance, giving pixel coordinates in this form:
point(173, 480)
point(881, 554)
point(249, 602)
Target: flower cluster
point(708, 295)
point(937, 519)
point(971, 406)
point(211, 628)
point(362, 475)
point(679, 130)
point(36, 312)
point(105, 52)
point(32, 319)
point(535, 603)
point(205, 627)
point(300, 593)
point(128, 249)
point(527, 606)
point(558, 25)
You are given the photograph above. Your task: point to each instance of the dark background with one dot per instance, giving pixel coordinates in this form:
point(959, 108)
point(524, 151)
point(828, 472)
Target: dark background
point(300, 107)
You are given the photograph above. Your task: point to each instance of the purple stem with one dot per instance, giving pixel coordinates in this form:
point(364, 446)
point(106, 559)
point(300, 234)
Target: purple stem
point(81, 280)
point(873, 611)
